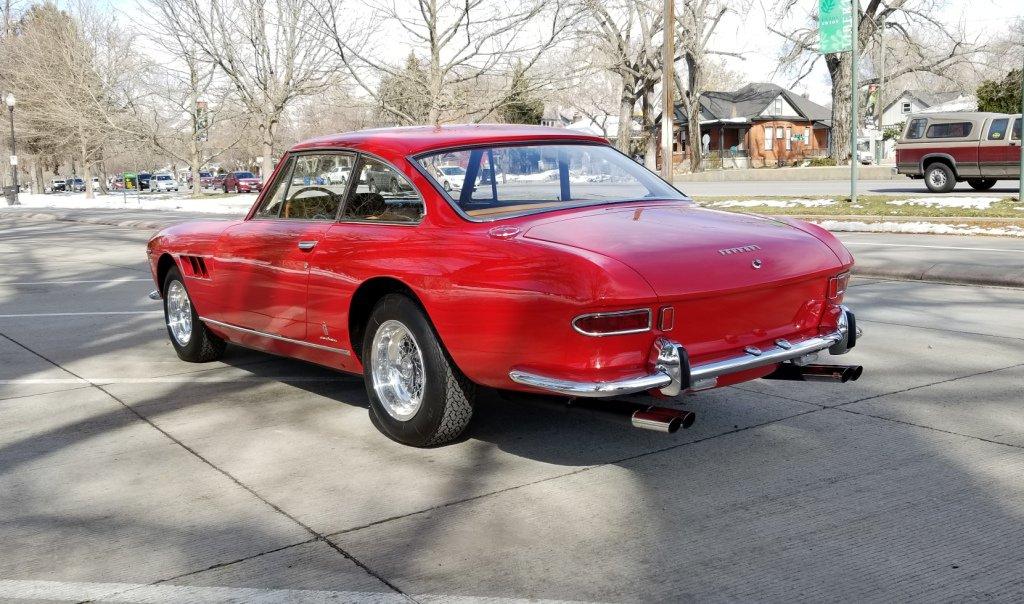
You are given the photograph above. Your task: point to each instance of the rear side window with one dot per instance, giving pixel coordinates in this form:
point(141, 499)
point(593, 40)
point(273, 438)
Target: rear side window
point(1016, 129)
point(953, 130)
point(916, 128)
point(997, 131)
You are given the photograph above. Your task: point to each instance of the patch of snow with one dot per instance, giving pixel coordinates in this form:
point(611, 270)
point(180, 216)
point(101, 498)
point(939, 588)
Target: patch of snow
point(232, 204)
point(772, 203)
point(976, 203)
point(932, 228)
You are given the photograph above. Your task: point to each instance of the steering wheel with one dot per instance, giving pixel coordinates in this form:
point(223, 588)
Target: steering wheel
point(328, 192)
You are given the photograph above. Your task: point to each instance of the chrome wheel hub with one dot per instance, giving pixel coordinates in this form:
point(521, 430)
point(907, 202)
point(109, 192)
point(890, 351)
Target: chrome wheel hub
point(396, 368)
point(937, 178)
point(179, 313)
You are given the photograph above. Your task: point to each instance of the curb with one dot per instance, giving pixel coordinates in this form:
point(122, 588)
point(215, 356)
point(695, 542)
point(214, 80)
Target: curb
point(960, 274)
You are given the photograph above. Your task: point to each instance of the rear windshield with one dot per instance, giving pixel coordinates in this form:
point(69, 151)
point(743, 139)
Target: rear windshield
point(916, 128)
point(953, 130)
point(163, 177)
point(497, 182)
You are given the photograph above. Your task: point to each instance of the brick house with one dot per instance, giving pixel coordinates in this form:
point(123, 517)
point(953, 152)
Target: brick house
point(758, 125)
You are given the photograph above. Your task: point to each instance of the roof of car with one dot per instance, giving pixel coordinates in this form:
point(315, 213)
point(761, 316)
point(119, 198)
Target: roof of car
point(411, 140)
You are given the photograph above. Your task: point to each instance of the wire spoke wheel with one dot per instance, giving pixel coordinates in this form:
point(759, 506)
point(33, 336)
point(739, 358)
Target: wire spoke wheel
point(397, 370)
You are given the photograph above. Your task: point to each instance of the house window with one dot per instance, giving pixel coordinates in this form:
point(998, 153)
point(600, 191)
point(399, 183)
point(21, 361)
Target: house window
point(906, 106)
point(769, 134)
point(807, 137)
point(778, 105)
point(789, 139)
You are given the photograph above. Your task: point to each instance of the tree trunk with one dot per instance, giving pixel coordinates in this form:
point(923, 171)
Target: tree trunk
point(695, 79)
point(37, 176)
point(839, 69)
point(650, 137)
point(193, 161)
point(87, 172)
point(624, 135)
point(267, 146)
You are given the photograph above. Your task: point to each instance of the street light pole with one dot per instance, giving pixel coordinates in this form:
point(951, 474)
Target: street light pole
point(854, 94)
point(667, 79)
point(14, 153)
point(1020, 177)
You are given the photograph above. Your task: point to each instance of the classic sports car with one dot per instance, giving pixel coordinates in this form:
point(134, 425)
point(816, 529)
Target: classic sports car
point(557, 266)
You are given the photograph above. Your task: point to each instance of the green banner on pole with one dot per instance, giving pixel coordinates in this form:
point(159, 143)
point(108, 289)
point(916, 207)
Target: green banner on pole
point(835, 25)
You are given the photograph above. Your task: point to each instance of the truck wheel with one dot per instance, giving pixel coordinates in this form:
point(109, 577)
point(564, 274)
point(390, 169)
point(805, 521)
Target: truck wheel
point(417, 395)
point(981, 184)
point(939, 178)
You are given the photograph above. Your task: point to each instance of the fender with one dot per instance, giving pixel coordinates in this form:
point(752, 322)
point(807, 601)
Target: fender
point(946, 156)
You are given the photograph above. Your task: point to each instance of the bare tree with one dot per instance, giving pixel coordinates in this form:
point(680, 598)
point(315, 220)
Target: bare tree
point(696, 24)
point(266, 49)
point(924, 45)
point(459, 54)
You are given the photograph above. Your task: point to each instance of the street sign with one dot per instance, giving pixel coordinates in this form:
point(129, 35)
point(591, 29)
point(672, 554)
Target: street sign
point(835, 25)
point(14, 160)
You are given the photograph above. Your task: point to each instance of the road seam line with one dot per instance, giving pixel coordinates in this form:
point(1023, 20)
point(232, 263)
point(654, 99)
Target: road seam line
point(236, 481)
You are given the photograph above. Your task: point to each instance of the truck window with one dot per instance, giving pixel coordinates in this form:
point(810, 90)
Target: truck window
point(997, 131)
point(952, 130)
point(1016, 129)
point(916, 128)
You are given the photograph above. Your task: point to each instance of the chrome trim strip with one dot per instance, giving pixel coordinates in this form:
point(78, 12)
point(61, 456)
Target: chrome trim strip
point(617, 313)
point(591, 389)
point(262, 334)
point(662, 378)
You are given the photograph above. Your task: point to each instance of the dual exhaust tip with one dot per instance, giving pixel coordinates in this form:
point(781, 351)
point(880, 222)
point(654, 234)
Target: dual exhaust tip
point(816, 373)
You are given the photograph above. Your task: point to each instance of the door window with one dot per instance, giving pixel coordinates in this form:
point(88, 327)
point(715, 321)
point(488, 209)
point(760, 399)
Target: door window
point(317, 186)
point(272, 203)
point(997, 131)
point(383, 194)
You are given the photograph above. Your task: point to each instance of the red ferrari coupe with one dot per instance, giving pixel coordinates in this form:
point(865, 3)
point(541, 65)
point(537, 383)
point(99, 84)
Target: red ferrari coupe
point(556, 265)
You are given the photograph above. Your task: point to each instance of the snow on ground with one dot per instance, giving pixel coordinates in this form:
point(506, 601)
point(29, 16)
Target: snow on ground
point(976, 203)
point(231, 204)
point(929, 228)
point(772, 203)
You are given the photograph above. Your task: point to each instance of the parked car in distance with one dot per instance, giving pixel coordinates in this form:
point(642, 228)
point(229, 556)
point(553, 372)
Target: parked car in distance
point(163, 182)
point(217, 182)
point(75, 185)
point(601, 282)
point(947, 148)
point(205, 178)
point(58, 185)
point(143, 179)
point(451, 177)
point(241, 182)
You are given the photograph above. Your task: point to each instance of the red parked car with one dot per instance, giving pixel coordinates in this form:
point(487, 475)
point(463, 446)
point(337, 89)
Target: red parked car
point(558, 266)
point(241, 182)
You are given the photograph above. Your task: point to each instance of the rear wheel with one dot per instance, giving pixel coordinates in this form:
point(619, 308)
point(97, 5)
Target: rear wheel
point(939, 178)
point(191, 339)
point(417, 395)
point(981, 184)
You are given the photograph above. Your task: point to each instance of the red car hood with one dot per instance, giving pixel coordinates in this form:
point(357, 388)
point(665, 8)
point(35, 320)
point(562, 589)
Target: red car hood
point(684, 250)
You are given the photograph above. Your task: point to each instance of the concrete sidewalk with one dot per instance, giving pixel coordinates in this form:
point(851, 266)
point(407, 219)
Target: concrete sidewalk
point(996, 261)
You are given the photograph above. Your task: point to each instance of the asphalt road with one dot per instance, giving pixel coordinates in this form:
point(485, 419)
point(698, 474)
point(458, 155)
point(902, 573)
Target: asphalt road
point(831, 188)
point(128, 475)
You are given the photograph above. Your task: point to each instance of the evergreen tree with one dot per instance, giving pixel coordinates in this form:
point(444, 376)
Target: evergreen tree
point(520, 106)
point(1000, 96)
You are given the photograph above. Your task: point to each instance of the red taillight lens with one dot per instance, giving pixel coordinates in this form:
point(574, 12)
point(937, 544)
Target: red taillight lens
point(837, 287)
point(613, 323)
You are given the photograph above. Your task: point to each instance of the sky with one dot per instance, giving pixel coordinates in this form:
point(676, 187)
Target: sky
point(749, 35)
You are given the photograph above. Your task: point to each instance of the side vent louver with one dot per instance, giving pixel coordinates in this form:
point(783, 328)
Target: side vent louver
point(195, 266)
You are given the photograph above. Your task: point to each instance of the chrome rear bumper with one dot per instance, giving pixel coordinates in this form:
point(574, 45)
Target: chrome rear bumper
point(673, 372)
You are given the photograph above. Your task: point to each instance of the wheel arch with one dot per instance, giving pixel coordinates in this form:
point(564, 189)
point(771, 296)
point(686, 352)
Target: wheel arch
point(164, 266)
point(942, 158)
point(365, 297)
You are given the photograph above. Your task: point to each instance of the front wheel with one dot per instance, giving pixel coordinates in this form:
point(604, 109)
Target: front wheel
point(191, 339)
point(417, 395)
point(981, 184)
point(939, 178)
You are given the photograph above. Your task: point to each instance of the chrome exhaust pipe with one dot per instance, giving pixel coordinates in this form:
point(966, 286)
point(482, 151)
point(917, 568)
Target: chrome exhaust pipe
point(660, 419)
point(816, 373)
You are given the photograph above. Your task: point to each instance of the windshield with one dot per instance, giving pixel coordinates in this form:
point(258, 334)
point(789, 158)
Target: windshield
point(244, 175)
point(497, 182)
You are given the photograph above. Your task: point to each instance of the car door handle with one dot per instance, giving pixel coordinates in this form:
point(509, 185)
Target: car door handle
point(307, 245)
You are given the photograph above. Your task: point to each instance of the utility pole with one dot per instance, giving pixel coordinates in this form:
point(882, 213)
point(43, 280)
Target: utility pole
point(854, 111)
point(667, 79)
point(1020, 176)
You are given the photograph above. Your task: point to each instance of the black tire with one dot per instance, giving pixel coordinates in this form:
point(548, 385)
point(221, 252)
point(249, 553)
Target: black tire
point(446, 405)
point(447, 186)
point(981, 184)
point(393, 186)
point(226, 190)
point(203, 346)
point(939, 178)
